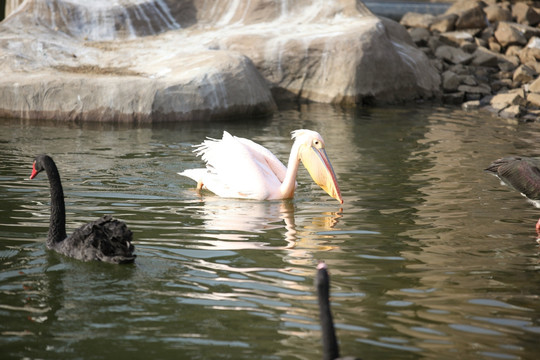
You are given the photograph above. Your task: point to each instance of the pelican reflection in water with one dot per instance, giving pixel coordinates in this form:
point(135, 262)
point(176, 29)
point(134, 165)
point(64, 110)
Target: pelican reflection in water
point(229, 222)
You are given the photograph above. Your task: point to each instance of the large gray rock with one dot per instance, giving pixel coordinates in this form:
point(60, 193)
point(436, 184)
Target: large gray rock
point(49, 69)
point(152, 60)
point(364, 59)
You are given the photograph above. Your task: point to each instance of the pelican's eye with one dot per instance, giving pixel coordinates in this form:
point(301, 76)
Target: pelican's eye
point(317, 143)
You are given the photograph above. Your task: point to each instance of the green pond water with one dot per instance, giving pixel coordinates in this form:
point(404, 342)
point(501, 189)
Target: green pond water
point(430, 257)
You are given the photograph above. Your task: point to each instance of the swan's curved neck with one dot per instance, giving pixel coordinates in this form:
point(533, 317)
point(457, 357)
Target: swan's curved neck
point(289, 182)
point(329, 340)
point(57, 226)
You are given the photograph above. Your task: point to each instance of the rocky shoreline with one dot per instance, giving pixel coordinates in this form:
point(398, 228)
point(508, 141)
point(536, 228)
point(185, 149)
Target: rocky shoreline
point(487, 52)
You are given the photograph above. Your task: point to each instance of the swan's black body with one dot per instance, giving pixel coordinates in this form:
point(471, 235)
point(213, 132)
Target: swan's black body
point(329, 339)
point(105, 239)
point(521, 173)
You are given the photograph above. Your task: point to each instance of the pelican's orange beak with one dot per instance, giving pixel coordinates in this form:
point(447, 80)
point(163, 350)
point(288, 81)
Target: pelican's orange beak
point(319, 167)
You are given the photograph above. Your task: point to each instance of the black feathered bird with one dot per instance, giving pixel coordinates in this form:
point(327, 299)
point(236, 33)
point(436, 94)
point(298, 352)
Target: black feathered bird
point(105, 239)
point(329, 339)
point(522, 174)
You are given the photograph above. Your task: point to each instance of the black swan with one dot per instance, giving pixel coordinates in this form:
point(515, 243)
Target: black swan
point(329, 339)
point(105, 239)
point(522, 174)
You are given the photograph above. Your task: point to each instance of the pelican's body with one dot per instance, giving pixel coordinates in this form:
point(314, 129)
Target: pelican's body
point(240, 168)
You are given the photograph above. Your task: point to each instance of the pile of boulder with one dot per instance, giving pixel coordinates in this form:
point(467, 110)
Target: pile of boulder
point(488, 54)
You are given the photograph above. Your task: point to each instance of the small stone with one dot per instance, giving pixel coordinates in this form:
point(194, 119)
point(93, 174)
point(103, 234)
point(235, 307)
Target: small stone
point(534, 42)
point(511, 112)
point(460, 6)
point(456, 37)
point(482, 74)
point(503, 75)
point(529, 55)
point(472, 18)
point(506, 99)
point(509, 35)
point(484, 57)
point(468, 47)
point(494, 46)
point(524, 74)
point(533, 99)
point(526, 30)
point(471, 105)
point(420, 36)
point(487, 33)
point(453, 55)
point(469, 80)
point(450, 81)
point(534, 65)
point(524, 14)
point(519, 91)
point(508, 63)
point(535, 86)
point(412, 19)
point(513, 50)
point(460, 69)
point(497, 85)
point(443, 23)
point(480, 89)
point(434, 42)
point(480, 42)
point(495, 13)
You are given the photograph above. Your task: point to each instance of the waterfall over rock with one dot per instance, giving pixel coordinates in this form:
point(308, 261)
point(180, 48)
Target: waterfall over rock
point(156, 60)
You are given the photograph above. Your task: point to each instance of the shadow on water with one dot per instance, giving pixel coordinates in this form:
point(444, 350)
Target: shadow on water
point(429, 256)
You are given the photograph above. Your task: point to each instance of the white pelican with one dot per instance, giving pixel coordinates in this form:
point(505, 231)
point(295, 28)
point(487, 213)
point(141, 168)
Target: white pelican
point(240, 168)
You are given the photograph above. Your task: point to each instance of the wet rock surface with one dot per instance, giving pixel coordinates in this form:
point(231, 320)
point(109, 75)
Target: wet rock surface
point(487, 52)
point(99, 61)
point(155, 60)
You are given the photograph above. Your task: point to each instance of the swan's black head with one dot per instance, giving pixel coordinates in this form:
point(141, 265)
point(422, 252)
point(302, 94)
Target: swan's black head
point(39, 165)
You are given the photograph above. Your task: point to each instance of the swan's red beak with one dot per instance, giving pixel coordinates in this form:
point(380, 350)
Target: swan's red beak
point(34, 171)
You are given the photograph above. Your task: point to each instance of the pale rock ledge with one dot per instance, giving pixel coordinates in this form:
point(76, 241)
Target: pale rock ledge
point(162, 60)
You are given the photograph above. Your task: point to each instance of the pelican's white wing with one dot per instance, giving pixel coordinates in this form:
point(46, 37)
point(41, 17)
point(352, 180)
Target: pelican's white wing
point(237, 167)
point(272, 161)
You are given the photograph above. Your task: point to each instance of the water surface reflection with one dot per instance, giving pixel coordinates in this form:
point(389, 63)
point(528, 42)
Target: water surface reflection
point(429, 256)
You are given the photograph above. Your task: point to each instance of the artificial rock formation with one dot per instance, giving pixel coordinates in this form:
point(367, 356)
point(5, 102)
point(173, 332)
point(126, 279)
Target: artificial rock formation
point(488, 53)
point(154, 60)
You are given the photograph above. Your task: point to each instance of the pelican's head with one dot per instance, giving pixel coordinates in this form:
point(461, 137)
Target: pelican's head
point(311, 151)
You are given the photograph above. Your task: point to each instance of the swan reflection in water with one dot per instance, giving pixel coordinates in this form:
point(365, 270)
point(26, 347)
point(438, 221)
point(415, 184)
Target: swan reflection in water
point(231, 222)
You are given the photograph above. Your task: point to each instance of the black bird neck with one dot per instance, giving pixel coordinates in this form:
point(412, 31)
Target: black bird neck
point(330, 344)
point(57, 227)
